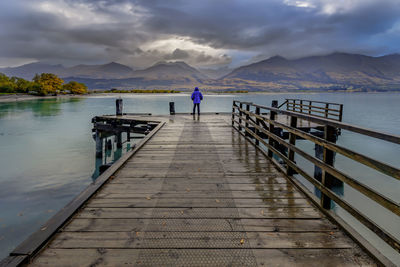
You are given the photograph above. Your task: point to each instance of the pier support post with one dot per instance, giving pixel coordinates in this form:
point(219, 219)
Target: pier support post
point(247, 119)
point(118, 107)
point(172, 108)
point(108, 144)
point(272, 117)
point(292, 140)
point(240, 116)
point(233, 112)
point(99, 145)
point(258, 124)
point(118, 138)
point(328, 158)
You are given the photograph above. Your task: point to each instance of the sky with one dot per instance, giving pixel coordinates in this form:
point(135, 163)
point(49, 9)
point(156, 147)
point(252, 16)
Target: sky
point(203, 33)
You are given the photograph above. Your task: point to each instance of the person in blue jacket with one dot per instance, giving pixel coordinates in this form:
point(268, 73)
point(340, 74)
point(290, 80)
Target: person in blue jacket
point(196, 97)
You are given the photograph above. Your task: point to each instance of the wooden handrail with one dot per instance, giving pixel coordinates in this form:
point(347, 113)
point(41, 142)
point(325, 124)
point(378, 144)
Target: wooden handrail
point(255, 123)
point(314, 101)
point(387, 237)
point(370, 162)
point(341, 125)
point(329, 110)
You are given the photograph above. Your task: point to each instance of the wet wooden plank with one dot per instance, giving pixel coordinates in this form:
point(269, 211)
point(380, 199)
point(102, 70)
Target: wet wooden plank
point(270, 212)
point(205, 194)
point(217, 257)
point(184, 240)
point(167, 186)
point(195, 203)
point(273, 179)
point(199, 225)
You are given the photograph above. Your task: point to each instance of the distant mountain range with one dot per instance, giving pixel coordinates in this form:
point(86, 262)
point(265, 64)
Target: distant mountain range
point(107, 71)
point(338, 71)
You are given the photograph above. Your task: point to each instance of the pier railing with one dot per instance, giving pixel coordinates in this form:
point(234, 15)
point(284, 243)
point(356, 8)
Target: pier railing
point(333, 111)
point(259, 124)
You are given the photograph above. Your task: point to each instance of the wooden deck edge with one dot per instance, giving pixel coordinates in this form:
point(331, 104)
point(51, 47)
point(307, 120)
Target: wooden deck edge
point(381, 259)
point(36, 241)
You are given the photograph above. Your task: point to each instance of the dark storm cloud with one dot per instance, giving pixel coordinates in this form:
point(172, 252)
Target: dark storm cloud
point(91, 31)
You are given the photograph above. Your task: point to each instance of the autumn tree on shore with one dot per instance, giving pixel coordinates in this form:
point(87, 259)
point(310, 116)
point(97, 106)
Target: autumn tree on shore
point(48, 83)
point(43, 84)
point(75, 88)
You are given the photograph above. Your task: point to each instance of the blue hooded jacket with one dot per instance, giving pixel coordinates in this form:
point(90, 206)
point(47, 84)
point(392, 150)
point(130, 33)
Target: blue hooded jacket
point(197, 96)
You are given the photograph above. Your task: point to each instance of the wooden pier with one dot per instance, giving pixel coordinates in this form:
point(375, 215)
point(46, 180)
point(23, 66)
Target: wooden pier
point(196, 192)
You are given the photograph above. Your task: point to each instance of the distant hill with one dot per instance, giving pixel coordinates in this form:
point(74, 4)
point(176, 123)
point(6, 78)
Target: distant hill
point(171, 71)
point(337, 71)
point(216, 73)
point(107, 71)
point(28, 71)
point(162, 75)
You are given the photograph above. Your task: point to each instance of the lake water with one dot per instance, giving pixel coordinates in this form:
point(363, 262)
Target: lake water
point(47, 153)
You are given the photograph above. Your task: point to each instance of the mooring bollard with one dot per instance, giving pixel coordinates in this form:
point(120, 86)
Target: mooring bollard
point(172, 108)
point(118, 106)
point(274, 103)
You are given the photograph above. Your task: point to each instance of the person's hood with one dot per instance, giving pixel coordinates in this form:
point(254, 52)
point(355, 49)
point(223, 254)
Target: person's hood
point(196, 89)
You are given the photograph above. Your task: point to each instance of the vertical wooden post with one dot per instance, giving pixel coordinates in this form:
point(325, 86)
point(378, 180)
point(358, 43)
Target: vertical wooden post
point(118, 137)
point(326, 110)
point(310, 107)
point(340, 112)
point(301, 106)
point(329, 158)
point(292, 140)
point(233, 112)
point(99, 145)
point(128, 136)
point(247, 119)
point(240, 116)
point(258, 124)
point(272, 117)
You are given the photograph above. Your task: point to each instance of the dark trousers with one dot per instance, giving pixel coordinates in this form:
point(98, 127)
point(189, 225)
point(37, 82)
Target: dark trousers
point(198, 108)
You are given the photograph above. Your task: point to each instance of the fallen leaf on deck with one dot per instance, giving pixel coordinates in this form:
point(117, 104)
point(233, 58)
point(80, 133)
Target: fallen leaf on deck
point(148, 198)
point(44, 228)
point(242, 241)
point(217, 200)
point(188, 189)
point(262, 212)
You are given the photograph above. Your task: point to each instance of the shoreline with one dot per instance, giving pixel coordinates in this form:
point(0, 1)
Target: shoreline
point(25, 97)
